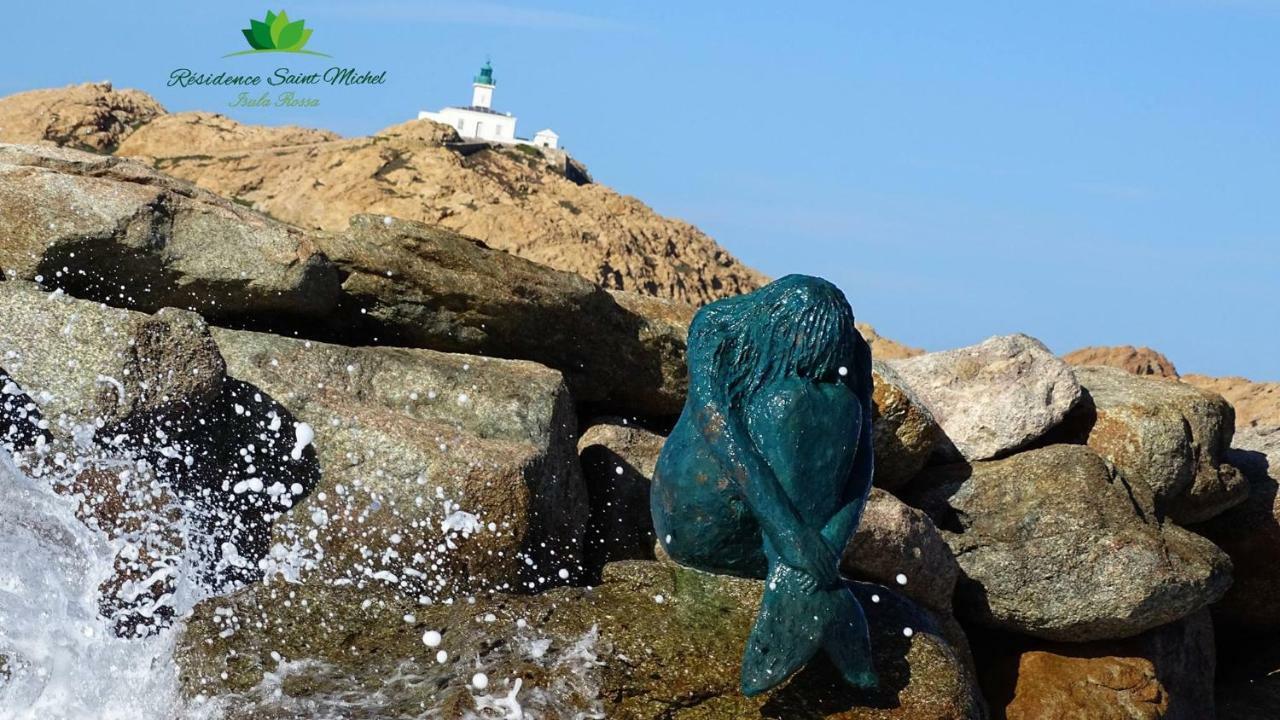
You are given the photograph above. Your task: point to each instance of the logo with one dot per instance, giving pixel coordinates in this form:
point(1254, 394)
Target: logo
point(287, 86)
point(276, 33)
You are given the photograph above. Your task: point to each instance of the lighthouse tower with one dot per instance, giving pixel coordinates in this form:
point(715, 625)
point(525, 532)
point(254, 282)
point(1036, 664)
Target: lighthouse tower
point(479, 121)
point(482, 88)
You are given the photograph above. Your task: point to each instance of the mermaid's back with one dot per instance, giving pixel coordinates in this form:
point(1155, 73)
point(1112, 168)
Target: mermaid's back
point(699, 516)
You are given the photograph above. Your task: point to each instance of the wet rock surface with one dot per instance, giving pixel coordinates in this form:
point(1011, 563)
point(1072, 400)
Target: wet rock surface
point(652, 640)
point(439, 470)
point(618, 459)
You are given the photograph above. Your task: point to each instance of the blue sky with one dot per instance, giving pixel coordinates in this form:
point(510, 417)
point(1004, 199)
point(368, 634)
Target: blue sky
point(1087, 172)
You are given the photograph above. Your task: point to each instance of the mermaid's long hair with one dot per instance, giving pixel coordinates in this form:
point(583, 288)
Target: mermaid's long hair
point(796, 326)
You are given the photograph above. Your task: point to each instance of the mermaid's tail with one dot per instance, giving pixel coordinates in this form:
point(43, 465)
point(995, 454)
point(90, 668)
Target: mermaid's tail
point(793, 624)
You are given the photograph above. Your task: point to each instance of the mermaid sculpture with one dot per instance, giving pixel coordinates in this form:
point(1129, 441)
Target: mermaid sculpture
point(766, 472)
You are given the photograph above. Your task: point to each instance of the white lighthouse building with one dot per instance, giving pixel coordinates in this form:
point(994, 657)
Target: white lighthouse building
point(479, 121)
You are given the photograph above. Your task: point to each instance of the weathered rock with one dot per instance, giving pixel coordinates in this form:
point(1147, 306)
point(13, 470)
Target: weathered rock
point(1257, 404)
point(1052, 543)
point(90, 366)
point(419, 286)
point(439, 470)
point(894, 539)
point(1135, 360)
point(142, 423)
point(1164, 673)
point(1250, 534)
point(651, 640)
point(994, 397)
point(905, 433)
point(210, 133)
point(518, 200)
point(1166, 434)
point(90, 116)
point(618, 459)
point(118, 232)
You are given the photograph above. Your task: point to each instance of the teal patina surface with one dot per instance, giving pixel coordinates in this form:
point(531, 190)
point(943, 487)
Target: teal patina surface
point(767, 470)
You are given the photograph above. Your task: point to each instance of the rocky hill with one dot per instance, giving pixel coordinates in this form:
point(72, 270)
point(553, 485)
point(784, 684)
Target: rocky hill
point(516, 199)
point(92, 116)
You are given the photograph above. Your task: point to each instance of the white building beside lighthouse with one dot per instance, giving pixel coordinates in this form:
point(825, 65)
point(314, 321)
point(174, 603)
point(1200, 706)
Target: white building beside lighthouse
point(479, 121)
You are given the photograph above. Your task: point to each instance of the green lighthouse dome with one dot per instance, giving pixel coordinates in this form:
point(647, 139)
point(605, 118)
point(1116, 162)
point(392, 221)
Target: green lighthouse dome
point(486, 74)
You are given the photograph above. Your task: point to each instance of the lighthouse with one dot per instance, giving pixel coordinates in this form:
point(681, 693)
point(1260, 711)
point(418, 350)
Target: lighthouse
point(482, 88)
point(479, 121)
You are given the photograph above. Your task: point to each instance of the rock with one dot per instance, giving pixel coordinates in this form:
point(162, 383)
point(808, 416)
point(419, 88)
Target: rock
point(90, 116)
point(118, 232)
point(22, 426)
point(1250, 534)
point(1053, 544)
point(1134, 360)
point(514, 199)
point(418, 286)
point(895, 540)
point(905, 433)
point(994, 397)
point(1257, 404)
point(142, 424)
point(612, 651)
point(618, 459)
point(126, 366)
point(439, 470)
point(1169, 435)
point(210, 133)
point(882, 348)
point(1164, 673)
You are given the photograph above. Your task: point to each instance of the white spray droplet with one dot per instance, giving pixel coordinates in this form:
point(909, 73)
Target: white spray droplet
point(431, 638)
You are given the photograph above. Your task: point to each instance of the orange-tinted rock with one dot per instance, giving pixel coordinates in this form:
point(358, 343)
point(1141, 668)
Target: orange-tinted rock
point(1257, 404)
point(1136, 360)
point(91, 116)
point(1164, 674)
point(882, 348)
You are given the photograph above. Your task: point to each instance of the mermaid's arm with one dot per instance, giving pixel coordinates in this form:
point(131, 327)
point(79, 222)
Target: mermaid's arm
point(800, 545)
point(843, 523)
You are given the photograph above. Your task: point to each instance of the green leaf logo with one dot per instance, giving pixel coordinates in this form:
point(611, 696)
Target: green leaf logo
point(276, 33)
